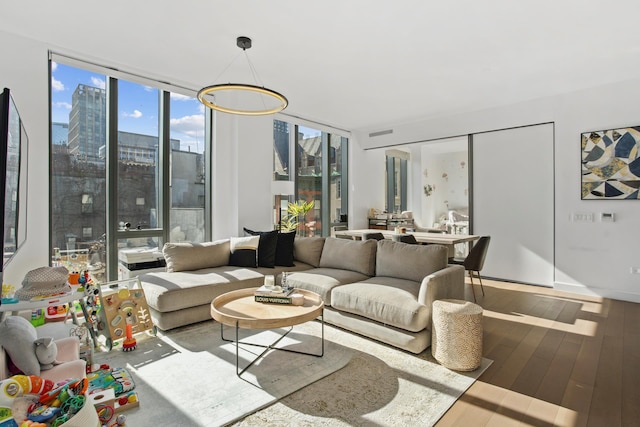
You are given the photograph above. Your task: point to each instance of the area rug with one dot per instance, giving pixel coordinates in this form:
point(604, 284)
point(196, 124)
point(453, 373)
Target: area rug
point(381, 386)
point(187, 377)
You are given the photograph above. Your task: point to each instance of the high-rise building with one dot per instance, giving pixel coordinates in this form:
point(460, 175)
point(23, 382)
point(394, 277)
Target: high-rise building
point(87, 122)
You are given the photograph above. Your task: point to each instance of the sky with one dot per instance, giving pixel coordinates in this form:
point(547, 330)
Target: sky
point(137, 106)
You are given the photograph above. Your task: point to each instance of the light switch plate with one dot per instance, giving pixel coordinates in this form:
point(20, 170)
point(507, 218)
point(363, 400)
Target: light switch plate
point(582, 217)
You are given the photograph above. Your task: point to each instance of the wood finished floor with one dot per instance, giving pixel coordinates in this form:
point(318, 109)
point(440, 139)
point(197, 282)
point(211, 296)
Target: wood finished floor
point(559, 359)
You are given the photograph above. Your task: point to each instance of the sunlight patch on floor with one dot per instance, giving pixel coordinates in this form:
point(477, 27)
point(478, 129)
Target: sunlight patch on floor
point(580, 327)
point(510, 408)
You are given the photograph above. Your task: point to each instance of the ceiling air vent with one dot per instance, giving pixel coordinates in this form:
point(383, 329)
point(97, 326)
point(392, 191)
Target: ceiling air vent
point(380, 133)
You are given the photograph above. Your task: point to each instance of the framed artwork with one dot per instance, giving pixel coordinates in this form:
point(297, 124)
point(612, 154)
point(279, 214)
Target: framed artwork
point(611, 164)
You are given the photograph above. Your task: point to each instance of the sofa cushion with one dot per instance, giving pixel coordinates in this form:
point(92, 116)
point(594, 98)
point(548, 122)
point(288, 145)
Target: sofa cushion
point(194, 256)
point(266, 247)
point(387, 300)
point(354, 255)
point(323, 280)
point(244, 251)
point(175, 291)
point(411, 262)
point(308, 250)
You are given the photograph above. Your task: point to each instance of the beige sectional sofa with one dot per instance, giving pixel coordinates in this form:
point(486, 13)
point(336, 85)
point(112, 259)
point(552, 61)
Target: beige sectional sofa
point(380, 289)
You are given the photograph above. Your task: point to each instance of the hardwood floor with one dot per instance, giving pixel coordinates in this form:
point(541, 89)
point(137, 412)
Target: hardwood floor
point(559, 359)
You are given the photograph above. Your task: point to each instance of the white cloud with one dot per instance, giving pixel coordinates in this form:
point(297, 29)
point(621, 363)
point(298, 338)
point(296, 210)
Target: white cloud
point(189, 125)
point(64, 105)
point(135, 115)
point(180, 97)
point(98, 82)
point(56, 85)
point(54, 66)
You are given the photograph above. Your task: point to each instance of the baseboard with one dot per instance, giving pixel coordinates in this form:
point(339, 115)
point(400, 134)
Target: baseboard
point(598, 292)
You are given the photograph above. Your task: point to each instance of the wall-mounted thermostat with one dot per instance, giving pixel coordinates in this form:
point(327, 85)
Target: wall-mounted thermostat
point(607, 217)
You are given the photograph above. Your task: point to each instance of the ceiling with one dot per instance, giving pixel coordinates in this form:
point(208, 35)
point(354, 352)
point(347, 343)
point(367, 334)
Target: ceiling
point(357, 65)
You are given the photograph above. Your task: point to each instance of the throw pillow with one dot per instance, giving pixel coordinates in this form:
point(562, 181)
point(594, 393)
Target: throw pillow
point(244, 251)
point(284, 250)
point(194, 256)
point(267, 247)
point(17, 336)
point(308, 250)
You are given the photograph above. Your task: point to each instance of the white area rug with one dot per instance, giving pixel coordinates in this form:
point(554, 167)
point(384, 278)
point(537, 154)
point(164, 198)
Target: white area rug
point(187, 377)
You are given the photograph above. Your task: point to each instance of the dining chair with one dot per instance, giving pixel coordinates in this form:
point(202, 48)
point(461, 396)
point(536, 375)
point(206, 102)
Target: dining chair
point(375, 236)
point(404, 238)
point(475, 260)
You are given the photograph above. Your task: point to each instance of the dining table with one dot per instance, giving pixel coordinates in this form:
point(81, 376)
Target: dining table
point(448, 240)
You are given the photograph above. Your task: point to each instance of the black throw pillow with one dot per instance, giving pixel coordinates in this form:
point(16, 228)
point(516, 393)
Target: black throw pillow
point(283, 249)
point(266, 247)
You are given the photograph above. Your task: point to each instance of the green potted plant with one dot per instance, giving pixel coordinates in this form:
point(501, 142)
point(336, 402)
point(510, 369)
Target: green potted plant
point(294, 219)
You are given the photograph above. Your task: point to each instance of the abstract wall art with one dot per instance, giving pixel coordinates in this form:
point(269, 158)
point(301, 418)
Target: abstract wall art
point(611, 164)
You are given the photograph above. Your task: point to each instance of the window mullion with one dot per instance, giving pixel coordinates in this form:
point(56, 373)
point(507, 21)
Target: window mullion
point(163, 168)
point(112, 176)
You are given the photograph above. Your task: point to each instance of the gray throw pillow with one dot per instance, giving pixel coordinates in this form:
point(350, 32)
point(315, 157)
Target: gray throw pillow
point(411, 262)
point(308, 250)
point(194, 256)
point(353, 255)
point(17, 336)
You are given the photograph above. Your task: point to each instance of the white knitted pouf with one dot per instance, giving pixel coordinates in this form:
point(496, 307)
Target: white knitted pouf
point(456, 334)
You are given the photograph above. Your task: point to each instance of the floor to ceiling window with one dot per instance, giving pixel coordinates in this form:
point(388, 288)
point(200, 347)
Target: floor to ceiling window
point(319, 174)
point(128, 168)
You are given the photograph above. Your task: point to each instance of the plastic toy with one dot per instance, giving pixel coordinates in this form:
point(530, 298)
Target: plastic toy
point(30, 423)
point(57, 406)
point(117, 379)
point(129, 342)
point(17, 386)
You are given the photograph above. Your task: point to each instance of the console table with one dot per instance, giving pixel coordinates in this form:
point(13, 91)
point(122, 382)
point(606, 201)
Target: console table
point(390, 223)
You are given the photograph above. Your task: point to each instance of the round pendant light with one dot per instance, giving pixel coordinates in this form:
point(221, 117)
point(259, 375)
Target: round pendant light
point(270, 101)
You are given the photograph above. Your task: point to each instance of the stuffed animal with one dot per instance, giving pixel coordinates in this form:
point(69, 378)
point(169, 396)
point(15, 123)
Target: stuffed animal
point(46, 352)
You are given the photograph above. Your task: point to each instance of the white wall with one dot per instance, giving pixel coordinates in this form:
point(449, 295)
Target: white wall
point(591, 258)
point(24, 70)
point(243, 168)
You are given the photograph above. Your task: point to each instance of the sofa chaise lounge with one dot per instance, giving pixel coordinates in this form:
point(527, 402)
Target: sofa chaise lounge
point(380, 289)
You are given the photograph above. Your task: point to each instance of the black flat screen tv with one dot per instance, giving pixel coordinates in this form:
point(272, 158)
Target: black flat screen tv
point(13, 178)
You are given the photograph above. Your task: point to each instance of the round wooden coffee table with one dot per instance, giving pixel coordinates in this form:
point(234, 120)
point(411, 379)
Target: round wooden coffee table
point(240, 310)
